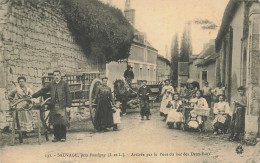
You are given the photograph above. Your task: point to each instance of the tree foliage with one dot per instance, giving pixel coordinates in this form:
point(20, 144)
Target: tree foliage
point(174, 59)
point(99, 29)
point(186, 48)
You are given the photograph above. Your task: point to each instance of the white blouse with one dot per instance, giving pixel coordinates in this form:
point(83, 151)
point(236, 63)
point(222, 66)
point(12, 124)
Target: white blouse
point(221, 108)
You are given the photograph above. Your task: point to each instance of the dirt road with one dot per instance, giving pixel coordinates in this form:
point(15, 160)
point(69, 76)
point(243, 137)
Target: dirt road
point(137, 141)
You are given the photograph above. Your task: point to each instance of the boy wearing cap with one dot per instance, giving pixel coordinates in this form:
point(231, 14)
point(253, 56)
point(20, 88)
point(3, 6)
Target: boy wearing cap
point(238, 118)
point(143, 93)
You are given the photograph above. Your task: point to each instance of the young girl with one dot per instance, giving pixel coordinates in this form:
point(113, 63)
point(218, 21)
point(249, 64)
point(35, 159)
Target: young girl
point(116, 115)
point(175, 115)
point(167, 90)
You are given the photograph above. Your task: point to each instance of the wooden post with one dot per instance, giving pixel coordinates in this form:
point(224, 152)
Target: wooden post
point(39, 127)
point(13, 127)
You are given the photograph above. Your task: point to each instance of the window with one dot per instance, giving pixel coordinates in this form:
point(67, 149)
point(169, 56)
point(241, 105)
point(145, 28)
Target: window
point(244, 68)
point(148, 74)
point(140, 73)
point(204, 76)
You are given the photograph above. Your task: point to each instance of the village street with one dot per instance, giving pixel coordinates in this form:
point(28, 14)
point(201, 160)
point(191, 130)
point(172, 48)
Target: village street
point(137, 141)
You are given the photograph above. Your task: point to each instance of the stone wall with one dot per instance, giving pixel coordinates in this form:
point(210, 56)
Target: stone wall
point(36, 41)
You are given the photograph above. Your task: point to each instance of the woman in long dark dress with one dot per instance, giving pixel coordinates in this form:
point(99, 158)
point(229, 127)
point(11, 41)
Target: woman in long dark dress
point(104, 113)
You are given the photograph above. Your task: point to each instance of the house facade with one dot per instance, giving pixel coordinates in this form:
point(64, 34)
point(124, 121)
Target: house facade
point(163, 68)
point(238, 46)
point(143, 56)
point(203, 66)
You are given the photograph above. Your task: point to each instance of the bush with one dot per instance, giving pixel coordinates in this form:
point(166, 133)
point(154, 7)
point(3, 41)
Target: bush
point(98, 28)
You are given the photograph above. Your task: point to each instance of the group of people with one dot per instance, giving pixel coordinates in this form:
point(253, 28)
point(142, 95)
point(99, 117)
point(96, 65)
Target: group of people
point(106, 114)
point(225, 117)
point(60, 100)
point(171, 106)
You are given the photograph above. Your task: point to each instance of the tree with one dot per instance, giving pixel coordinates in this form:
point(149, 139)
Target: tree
point(174, 59)
point(186, 48)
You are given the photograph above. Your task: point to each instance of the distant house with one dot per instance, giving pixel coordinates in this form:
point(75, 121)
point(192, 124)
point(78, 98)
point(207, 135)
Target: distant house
point(203, 66)
point(142, 57)
point(163, 68)
point(238, 45)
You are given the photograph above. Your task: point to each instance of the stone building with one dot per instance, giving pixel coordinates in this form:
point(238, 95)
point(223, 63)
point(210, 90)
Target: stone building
point(142, 57)
point(203, 66)
point(34, 41)
point(238, 45)
point(163, 68)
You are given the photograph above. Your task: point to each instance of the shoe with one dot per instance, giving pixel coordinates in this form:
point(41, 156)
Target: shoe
point(105, 130)
point(63, 140)
point(115, 129)
point(215, 133)
point(54, 140)
point(147, 118)
point(124, 114)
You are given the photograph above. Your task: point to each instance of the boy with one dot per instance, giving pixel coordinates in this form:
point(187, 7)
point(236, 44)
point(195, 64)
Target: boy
point(238, 118)
point(143, 93)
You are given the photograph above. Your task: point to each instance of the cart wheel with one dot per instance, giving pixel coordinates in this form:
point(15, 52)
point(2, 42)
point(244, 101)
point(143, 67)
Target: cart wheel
point(95, 83)
point(45, 116)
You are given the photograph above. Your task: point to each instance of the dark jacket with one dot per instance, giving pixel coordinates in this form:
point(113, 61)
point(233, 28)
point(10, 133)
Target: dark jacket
point(144, 93)
point(129, 74)
point(63, 92)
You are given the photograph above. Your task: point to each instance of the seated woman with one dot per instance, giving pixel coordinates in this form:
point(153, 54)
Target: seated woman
point(199, 102)
point(221, 110)
point(175, 115)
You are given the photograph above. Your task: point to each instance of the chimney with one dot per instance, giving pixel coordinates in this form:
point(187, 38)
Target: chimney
point(129, 13)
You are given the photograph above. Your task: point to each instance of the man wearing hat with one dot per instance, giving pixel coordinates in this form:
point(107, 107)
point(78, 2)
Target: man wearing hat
point(25, 117)
point(129, 74)
point(238, 115)
point(144, 93)
point(60, 99)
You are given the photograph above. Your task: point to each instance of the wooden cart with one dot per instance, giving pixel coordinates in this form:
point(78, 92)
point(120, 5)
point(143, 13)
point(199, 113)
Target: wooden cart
point(82, 87)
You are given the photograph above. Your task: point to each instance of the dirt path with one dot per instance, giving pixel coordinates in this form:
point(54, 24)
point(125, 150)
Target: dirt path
point(137, 141)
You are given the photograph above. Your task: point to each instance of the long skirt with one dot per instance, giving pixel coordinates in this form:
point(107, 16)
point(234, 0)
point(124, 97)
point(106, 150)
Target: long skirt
point(104, 114)
point(163, 108)
point(174, 116)
point(25, 120)
point(220, 122)
point(145, 108)
point(238, 121)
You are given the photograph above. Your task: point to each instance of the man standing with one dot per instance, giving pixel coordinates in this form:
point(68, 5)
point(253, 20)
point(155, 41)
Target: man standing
point(60, 99)
point(143, 93)
point(129, 74)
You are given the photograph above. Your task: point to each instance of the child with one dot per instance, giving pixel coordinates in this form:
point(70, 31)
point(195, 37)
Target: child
point(238, 115)
point(175, 115)
point(143, 93)
point(116, 115)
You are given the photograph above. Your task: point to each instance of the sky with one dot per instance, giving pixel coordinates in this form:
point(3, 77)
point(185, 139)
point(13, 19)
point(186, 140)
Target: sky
point(162, 19)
